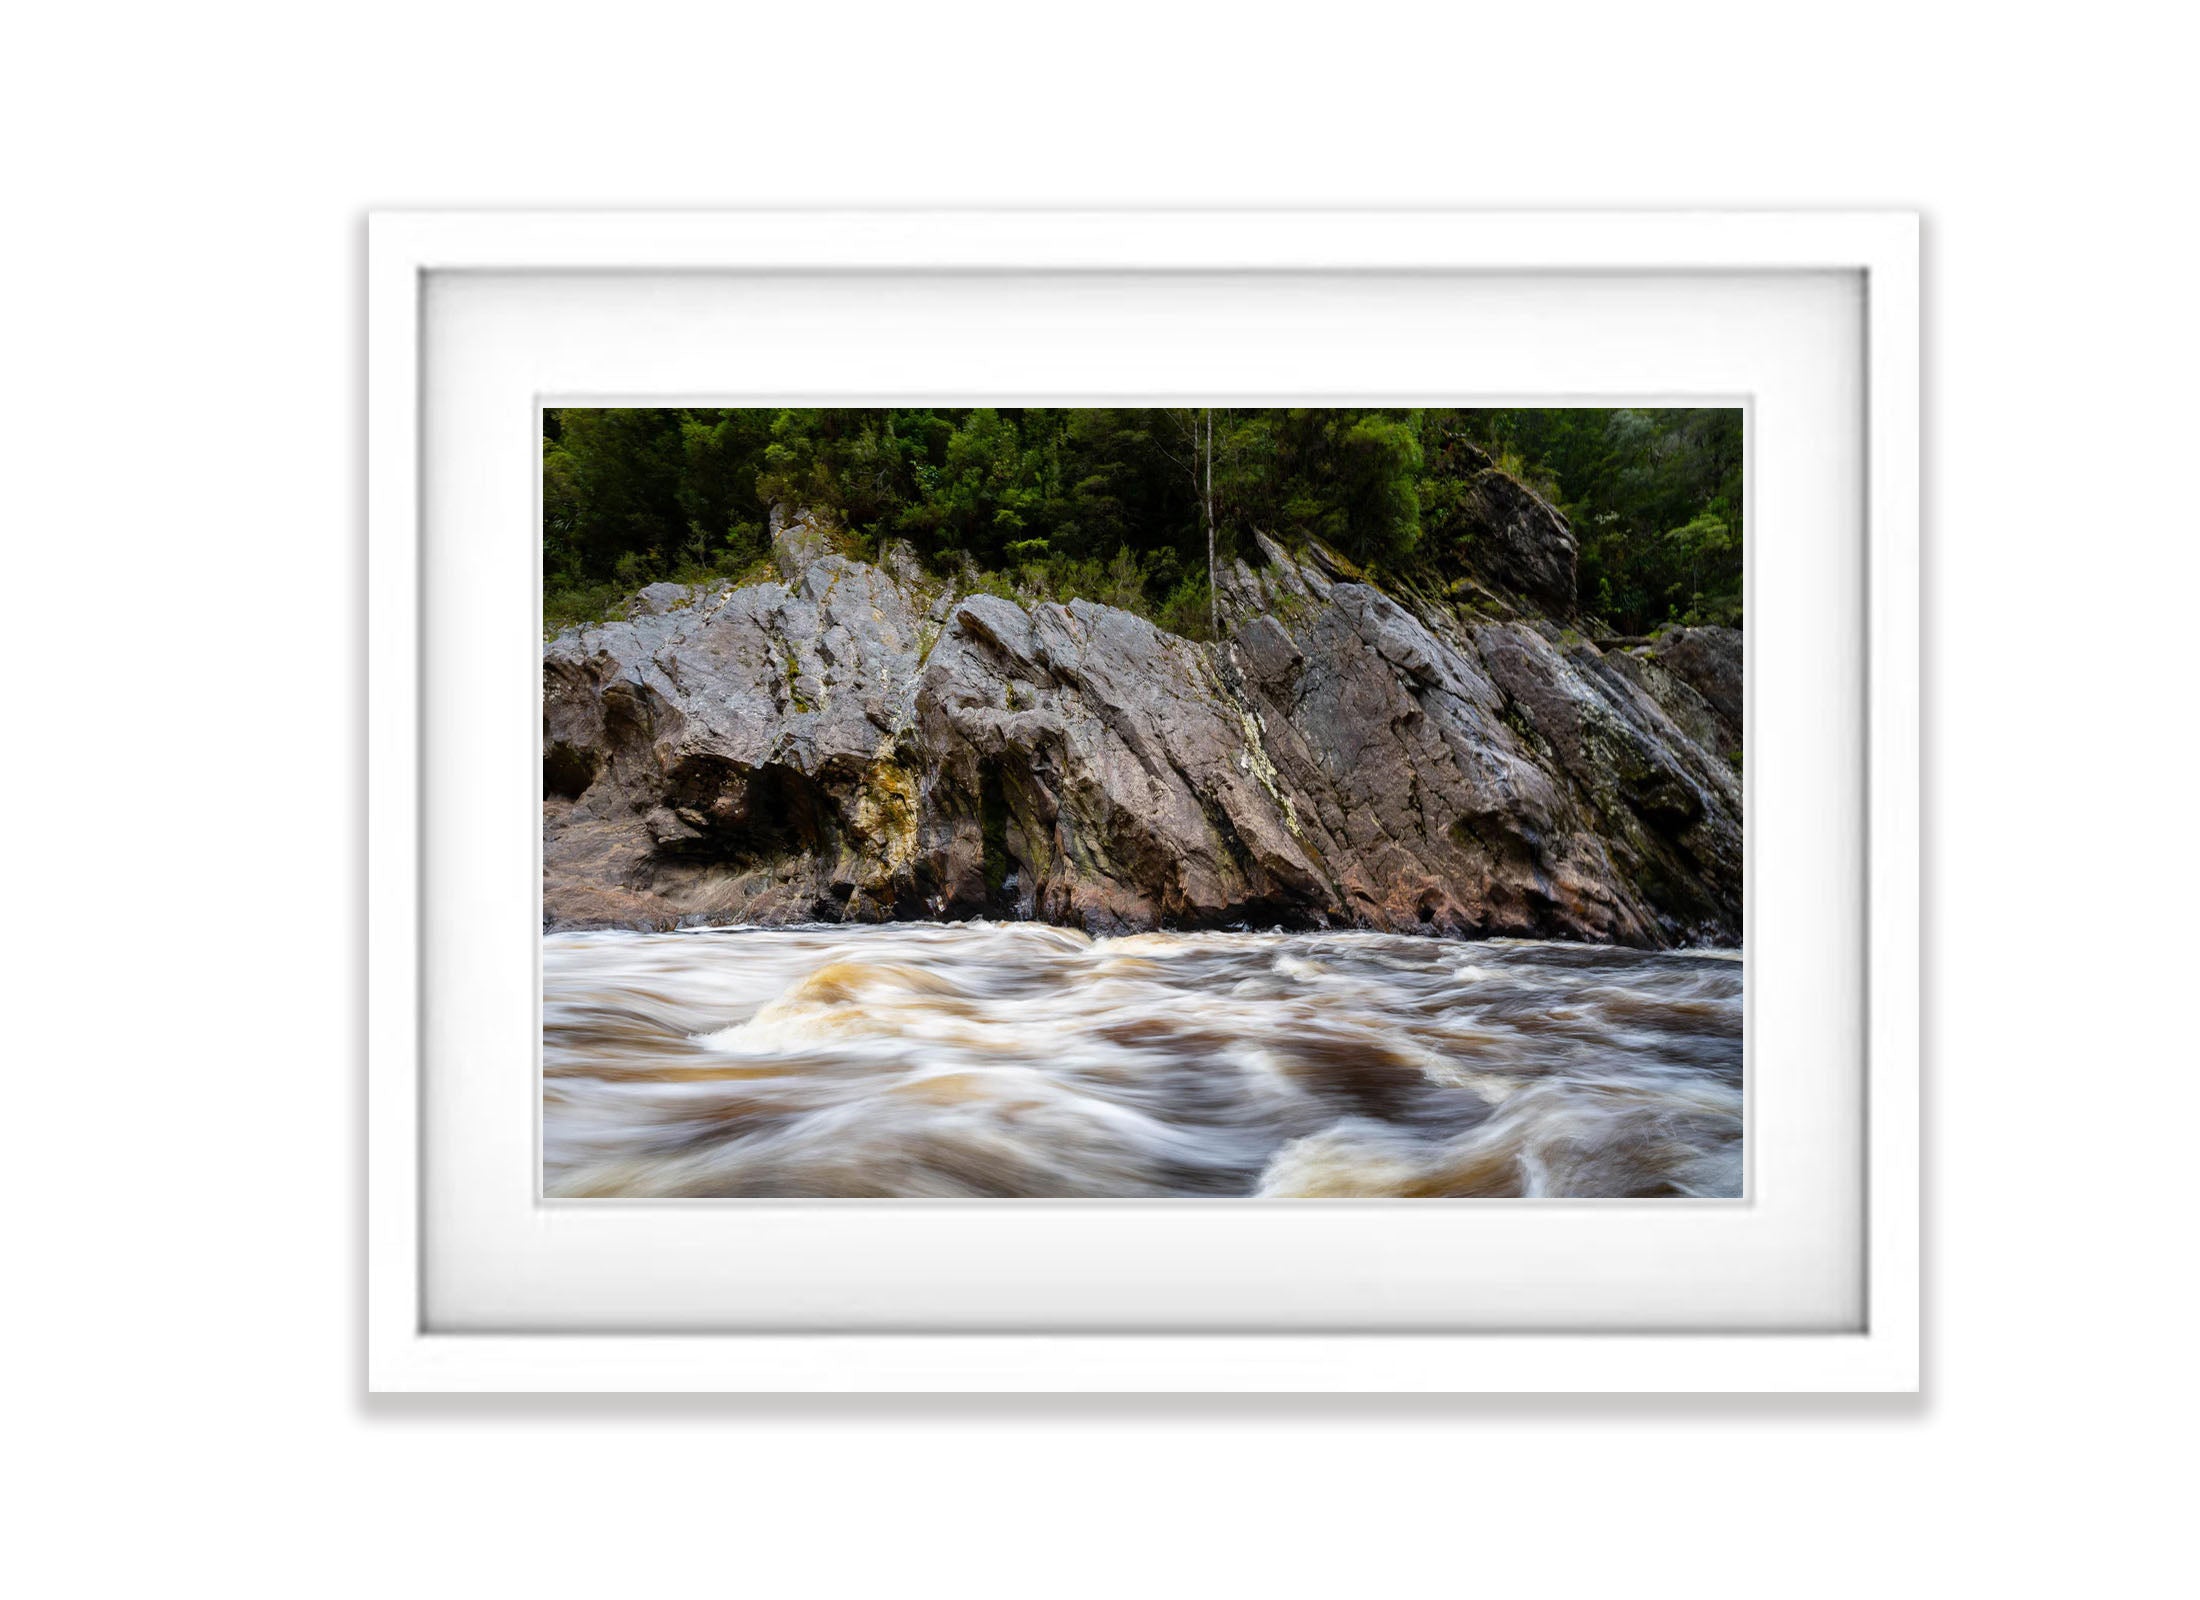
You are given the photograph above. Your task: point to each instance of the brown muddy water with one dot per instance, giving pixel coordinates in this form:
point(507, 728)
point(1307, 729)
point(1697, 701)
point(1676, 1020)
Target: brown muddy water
point(1017, 1059)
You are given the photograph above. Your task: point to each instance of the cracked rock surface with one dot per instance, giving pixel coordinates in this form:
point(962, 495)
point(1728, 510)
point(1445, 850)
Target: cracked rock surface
point(853, 742)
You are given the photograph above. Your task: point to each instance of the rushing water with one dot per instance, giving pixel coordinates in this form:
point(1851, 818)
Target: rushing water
point(1020, 1059)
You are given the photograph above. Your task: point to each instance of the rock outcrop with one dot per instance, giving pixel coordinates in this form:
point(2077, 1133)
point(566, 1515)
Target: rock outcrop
point(1517, 539)
point(854, 742)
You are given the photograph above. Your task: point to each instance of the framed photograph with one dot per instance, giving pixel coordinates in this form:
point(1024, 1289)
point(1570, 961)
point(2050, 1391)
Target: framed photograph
point(1137, 801)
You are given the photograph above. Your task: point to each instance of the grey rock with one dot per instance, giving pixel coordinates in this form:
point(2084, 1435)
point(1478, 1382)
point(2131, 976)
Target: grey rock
point(798, 539)
point(848, 744)
point(1708, 661)
point(659, 598)
point(1515, 538)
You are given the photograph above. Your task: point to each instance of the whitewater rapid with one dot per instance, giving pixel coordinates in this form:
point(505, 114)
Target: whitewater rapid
point(1017, 1059)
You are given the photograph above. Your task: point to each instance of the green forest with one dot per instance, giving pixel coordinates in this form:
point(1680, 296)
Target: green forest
point(1116, 504)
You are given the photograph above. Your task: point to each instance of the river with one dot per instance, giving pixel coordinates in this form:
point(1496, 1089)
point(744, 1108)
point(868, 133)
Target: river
point(1017, 1059)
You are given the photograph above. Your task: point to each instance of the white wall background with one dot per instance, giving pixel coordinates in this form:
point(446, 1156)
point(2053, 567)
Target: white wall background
point(182, 433)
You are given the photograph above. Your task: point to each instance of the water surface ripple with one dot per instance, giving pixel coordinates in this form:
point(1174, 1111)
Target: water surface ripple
point(1020, 1059)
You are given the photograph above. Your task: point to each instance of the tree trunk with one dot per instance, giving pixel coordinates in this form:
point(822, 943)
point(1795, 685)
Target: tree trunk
point(1214, 603)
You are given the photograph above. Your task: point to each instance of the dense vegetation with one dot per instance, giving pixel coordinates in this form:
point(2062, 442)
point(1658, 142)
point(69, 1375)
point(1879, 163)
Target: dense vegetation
point(1118, 504)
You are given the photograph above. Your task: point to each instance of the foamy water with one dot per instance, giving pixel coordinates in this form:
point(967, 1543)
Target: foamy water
point(1020, 1059)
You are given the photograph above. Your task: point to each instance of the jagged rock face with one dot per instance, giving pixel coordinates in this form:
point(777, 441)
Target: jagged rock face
point(1706, 662)
point(1521, 543)
point(849, 744)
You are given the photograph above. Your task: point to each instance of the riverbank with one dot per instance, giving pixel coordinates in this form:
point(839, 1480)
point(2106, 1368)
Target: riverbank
point(854, 742)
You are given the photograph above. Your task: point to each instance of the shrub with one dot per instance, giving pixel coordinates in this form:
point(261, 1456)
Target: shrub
point(1188, 612)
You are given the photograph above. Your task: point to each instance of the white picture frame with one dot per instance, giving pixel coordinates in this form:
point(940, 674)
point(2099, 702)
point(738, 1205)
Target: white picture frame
point(407, 1351)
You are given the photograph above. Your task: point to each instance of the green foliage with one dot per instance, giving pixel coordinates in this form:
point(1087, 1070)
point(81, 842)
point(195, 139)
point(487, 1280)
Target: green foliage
point(1111, 504)
point(1349, 478)
point(1189, 610)
point(1655, 498)
point(632, 496)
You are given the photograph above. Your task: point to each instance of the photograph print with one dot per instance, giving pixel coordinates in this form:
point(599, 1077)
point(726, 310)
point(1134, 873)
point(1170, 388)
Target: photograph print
point(1142, 803)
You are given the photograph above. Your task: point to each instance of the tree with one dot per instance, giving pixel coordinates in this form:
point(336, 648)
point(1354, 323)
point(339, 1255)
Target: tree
point(1214, 614)
point(1106, 499)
